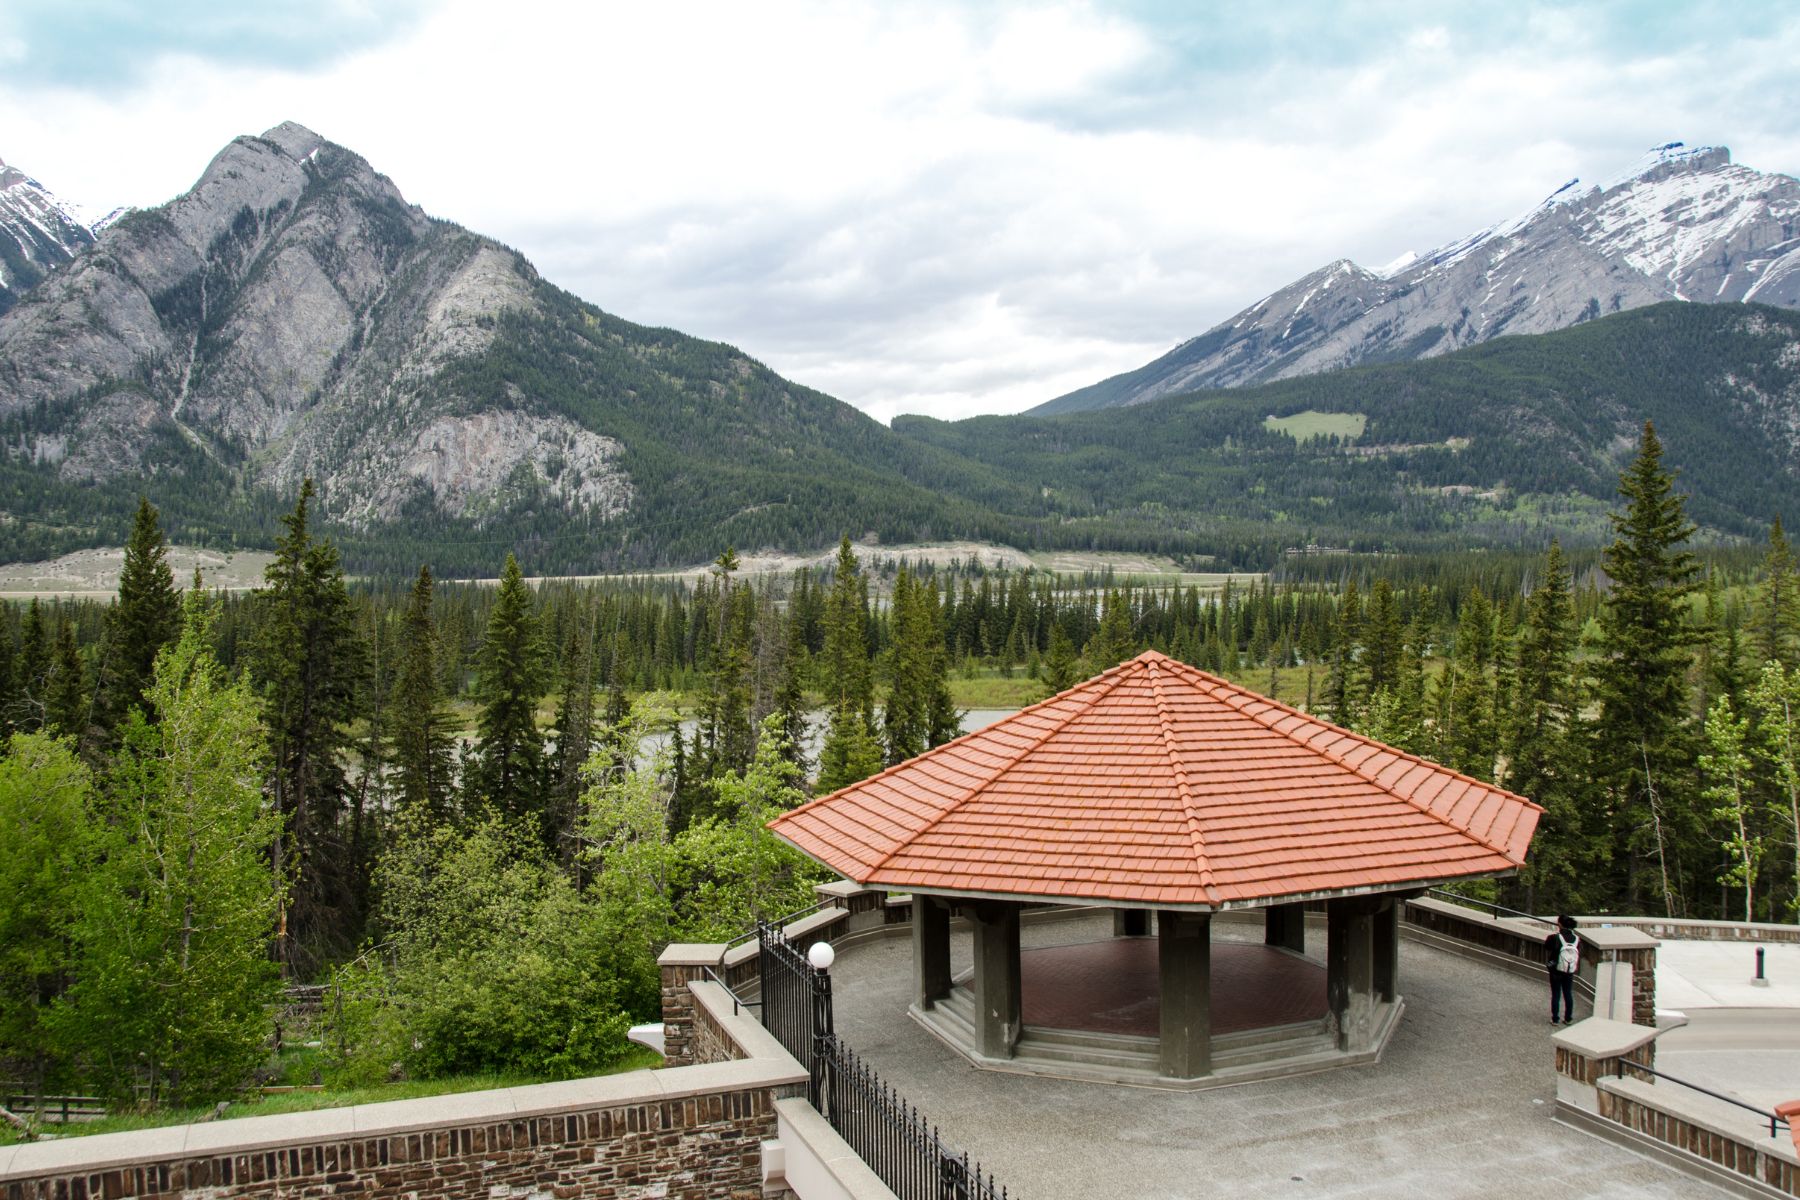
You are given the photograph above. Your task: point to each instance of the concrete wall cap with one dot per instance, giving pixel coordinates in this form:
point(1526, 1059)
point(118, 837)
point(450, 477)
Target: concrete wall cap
point(105, 1151)
point(743, 952)
point(691, 954)
point(1617, 937)
point(1523, 926)
point(801, 1123)
point(842, 889)
point(1702, 1110)
point(1598, 1037)
point(823, 919)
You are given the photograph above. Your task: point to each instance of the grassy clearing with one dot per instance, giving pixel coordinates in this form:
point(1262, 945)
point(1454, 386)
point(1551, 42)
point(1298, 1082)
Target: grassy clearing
point(1305, 426)
point(638, 1058)
point(989, 689)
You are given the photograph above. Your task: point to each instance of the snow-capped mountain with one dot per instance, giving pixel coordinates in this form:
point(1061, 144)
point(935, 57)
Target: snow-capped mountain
point(38, 232)
point(1681, 224)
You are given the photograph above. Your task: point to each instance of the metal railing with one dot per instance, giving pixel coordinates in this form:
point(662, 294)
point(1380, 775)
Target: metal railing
point(886, 1131)
point(1775, 1120)
point(1496, 909)
point(780, 922)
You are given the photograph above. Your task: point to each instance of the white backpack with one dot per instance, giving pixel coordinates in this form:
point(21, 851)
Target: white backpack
point(1568, 955)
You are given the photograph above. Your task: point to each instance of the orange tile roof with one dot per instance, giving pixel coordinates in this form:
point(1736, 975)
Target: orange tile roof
point(1157, 784)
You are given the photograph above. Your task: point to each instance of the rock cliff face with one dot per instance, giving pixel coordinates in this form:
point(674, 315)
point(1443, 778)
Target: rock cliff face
point(38, 233)
point(1683, 224)
point(292, 315)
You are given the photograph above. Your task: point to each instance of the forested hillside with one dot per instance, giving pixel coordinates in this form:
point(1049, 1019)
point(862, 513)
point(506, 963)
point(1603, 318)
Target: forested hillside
point(1509, 442)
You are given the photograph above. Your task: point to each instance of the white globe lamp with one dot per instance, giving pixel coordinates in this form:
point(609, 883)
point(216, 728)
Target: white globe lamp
point(821, 955)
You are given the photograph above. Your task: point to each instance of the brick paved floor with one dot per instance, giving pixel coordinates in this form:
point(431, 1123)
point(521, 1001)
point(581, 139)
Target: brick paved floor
point(1110, 986)
point(1458, 1108)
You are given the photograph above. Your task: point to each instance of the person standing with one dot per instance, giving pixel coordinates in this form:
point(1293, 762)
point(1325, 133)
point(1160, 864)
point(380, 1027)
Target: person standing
point(1562, 954)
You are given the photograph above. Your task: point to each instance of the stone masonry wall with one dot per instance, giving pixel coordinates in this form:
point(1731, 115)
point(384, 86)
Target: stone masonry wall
point(701, 1147)
point(1754, 1160)
point(678, 1013)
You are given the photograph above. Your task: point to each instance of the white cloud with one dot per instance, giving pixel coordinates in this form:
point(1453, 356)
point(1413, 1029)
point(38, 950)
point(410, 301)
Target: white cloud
point(927, 206)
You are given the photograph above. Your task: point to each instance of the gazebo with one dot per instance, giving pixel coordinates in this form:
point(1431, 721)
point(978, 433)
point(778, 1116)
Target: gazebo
point(1157, 789)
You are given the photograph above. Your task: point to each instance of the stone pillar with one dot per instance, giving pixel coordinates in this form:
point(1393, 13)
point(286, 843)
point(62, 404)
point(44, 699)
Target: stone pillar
point(931, 950)
point(1350, 971)
point(680, 963)
point(1284, 925)
point(1131, 922)
point(998, 996)
point(1387, 949)
point(1184, 972)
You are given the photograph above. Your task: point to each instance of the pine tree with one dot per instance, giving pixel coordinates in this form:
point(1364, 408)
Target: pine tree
point(308, 665)
point(509, 774)
point(1471, 740)
point(34, 669)
point(1343, 684)
point(1113, 642)
point(573, 734)
point(943, 721)
point(146, 617)
point(1383, 637)
point(1643, 745)
point(903, 718)
point(9, 683)
point(851, 750)
point(1542, 748)
point(1778, 604)
point(423, 745)
point(66, 692)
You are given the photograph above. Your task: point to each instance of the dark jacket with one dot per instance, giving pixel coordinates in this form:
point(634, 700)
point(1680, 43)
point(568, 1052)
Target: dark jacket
point(1553, 947)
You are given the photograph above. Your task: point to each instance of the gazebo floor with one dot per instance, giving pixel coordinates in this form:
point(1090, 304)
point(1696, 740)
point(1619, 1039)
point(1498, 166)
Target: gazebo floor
point(1110, 986)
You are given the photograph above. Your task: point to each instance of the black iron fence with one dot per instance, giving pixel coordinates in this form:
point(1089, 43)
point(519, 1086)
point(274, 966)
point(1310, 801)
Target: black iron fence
point(884, 1129)
point(1775, 1120)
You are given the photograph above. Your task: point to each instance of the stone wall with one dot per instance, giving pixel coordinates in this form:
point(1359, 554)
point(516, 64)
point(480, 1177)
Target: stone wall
point(623, 1137)
point(1733, 1143)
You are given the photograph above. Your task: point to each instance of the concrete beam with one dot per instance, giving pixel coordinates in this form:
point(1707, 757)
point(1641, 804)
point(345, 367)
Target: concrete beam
point(1184, 967)
point(998, 997)
point(931, 950)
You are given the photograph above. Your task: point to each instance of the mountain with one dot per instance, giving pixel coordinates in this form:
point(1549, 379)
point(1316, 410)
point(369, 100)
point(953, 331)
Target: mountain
point(291, 315)
point(38, 233)
point(1501, 444)
point(1682, 224)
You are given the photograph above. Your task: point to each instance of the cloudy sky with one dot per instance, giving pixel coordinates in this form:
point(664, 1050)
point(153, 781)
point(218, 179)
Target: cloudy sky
point(918, 207)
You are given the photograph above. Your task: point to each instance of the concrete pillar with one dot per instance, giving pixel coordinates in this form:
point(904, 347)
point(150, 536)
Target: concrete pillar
point(998, 1019)
point(1387, 949)
point(1184, 971)
point(1131, 922)
point(1284, 925)
point(1350, 971)
point(931, 949)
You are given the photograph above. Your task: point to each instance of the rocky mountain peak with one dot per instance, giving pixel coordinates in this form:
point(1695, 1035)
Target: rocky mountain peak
point(1680, 223)
point(296, 139)
point(38, 233)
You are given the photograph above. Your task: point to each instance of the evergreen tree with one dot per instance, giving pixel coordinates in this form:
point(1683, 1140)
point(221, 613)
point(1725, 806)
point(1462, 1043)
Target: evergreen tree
point(573, 734)
point(146, 617)
point(1778, 604)
point(1471, 737)
point(66, 692)
point(904, 716)
point(423, 744)
point(510, 766)
point(34, 669)
point(851, 750)
point(1343, 684)
point(308, 665)
point(1060, 663)
point(1113, 641)
point(1643, 746)
point(9, 683)
point(1542, 742)
point(1383, 637)
point(943, 722)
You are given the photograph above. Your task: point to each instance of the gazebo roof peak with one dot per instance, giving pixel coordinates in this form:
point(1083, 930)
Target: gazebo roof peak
point(1157, 784)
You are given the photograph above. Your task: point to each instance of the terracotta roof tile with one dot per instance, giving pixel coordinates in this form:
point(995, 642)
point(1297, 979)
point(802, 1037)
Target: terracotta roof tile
point(1157, 783)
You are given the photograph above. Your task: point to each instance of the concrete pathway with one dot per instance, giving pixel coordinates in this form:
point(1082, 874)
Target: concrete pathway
point(1691, 975)
point(1460, 1106)
point(1752, 1054)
